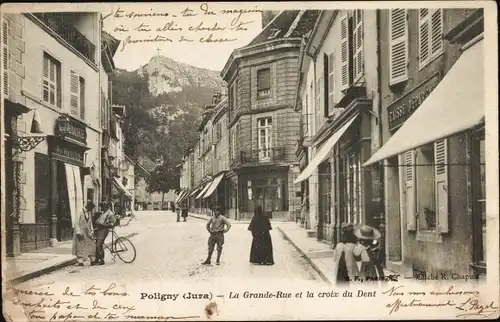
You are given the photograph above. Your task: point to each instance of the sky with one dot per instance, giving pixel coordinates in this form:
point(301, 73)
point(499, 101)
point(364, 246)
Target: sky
point(124, 21)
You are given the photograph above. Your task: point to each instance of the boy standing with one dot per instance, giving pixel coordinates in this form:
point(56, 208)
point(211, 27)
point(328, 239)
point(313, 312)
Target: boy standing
point(217, 225)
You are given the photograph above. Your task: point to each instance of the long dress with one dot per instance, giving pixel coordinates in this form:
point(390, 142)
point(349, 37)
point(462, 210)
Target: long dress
point(83, 248)
point(262, 246)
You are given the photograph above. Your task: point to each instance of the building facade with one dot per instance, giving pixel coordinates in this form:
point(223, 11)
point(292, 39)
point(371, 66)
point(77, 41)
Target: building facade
point(263, 126)
point(55, 77)
point(436, 220)
point(338, 100)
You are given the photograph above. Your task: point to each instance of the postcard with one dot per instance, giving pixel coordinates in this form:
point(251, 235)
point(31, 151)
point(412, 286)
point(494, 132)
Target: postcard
point(240, 161)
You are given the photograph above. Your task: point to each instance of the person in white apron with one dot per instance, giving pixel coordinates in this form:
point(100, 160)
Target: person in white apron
point(83, 243)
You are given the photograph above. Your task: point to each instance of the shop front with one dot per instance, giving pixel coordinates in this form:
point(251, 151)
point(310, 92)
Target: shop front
point(121, 197)
point(434, 172)
point(216, 195)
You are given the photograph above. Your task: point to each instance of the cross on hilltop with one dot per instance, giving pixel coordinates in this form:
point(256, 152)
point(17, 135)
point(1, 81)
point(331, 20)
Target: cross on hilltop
point(158, 50)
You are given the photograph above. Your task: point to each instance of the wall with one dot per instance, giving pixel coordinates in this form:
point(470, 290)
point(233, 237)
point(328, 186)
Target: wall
point(38, 41)
point(451, 252)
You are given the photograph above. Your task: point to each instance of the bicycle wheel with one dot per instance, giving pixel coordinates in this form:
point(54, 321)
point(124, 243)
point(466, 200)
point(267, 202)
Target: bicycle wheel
point(124, 248)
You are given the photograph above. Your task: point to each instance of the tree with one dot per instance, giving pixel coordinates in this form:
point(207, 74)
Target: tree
point(163, 179)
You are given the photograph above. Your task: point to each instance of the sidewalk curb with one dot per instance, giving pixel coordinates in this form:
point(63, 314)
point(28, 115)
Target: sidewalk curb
point(309, 260)
point(50, 269)
point(198, 217)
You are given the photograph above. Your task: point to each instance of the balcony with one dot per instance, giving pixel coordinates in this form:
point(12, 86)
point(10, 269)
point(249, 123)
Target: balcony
point(62, 25)
point(258, 157)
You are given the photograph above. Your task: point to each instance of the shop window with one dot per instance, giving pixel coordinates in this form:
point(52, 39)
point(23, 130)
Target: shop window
point(479, 201)
point(264, 83)
point(351, 188)
point(51, 80)
point(325, 184)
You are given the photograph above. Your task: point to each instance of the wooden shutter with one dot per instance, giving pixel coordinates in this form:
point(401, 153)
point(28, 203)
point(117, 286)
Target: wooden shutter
point(436, 33)
point(75, 94)
point(6, 58)
point(357, 59)
point(441, 185)
point(409, 191)
point(326, 85)
point(331, 83)
point(398, 37)
point(344, 52)
point(82, 98)
point(423, 36)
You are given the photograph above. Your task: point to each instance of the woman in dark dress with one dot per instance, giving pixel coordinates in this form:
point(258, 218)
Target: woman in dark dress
point(262, 246)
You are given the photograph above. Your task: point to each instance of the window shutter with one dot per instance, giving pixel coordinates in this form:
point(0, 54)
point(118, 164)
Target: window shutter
point(436, 35)
point(331, 83)
point(6, 58)
point(75, 94)
point(398, 38)
point(344, 52)
point(358, 59)
point(441, 185)
point(411, 219)
point(423, 36)
point(82, 98)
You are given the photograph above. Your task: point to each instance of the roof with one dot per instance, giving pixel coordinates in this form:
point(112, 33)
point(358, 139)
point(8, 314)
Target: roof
point(287, 24)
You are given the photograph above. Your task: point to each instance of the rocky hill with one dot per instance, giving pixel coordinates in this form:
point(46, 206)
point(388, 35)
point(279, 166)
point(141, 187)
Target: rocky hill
point(163, 98)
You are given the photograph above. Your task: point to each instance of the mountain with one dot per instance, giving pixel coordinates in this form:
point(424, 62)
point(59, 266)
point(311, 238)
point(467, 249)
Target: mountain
point(165, 100)
point(167, 76)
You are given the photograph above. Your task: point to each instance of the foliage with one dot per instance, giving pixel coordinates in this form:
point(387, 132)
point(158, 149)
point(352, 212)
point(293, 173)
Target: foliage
point(163, 179)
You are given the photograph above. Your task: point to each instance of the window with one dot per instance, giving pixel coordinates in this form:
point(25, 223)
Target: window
point(350, 168)
point(263, 82)
point(479, 200)
point(6, 57)
point(430, 38)
point(357, 46)
point(77, 100)
point(233, 95)
point(51, 80)
point(426, 188)
point(398, 37)
point(325, 187)
point(344, 52)
point(264, 136)
point(317, 103)
point(234, 142)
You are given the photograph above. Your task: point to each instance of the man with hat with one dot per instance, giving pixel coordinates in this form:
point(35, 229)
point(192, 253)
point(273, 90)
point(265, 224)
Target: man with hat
point(217, 226)
point(369, 252)
point(83, 244)
point(105, 221)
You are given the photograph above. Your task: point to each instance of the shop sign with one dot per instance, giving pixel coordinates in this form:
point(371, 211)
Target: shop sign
point(404, 107)
point(66, 126)
point(68, 153)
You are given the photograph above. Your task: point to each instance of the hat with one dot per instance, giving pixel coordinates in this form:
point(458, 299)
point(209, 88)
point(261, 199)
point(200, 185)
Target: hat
point(104, 203)
point(367, 232)
point(216, 208)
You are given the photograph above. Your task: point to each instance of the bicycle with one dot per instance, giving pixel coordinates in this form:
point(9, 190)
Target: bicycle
point(121, 246)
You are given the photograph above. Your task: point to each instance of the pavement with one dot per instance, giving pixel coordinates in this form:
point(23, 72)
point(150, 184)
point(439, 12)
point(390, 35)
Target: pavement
point(43, 261)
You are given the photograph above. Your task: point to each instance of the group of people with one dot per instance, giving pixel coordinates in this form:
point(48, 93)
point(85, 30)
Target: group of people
point(261, 252)
point(90, 232)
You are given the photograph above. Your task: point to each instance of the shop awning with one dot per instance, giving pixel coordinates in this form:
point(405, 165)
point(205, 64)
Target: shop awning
point(455, 105)
point(181, 194)
point(323, 152)
point(121, 187)
point(213, 186)
point(195, 191)
point(205, 188)
point(183, 197)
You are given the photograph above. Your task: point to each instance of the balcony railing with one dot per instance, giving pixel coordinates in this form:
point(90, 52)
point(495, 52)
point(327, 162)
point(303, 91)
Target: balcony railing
point(68, 32)
point(263, 156)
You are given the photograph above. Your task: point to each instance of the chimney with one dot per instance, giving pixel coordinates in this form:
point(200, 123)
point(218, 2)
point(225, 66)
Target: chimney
point(267, 16)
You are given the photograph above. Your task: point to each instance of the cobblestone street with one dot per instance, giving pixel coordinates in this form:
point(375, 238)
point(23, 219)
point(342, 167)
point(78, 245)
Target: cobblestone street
point(168, 250)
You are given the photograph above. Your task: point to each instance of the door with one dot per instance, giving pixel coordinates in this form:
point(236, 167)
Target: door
point(479, 201)
point(37, 235)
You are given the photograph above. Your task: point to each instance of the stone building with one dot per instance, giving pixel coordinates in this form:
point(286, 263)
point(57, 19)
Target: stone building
point(433, 157)
point(338, 98)
point(263, 127)
point(55, 78)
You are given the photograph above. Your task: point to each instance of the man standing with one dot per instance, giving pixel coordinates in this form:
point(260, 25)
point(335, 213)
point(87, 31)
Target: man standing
point(105, 221)
point(217, 225)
